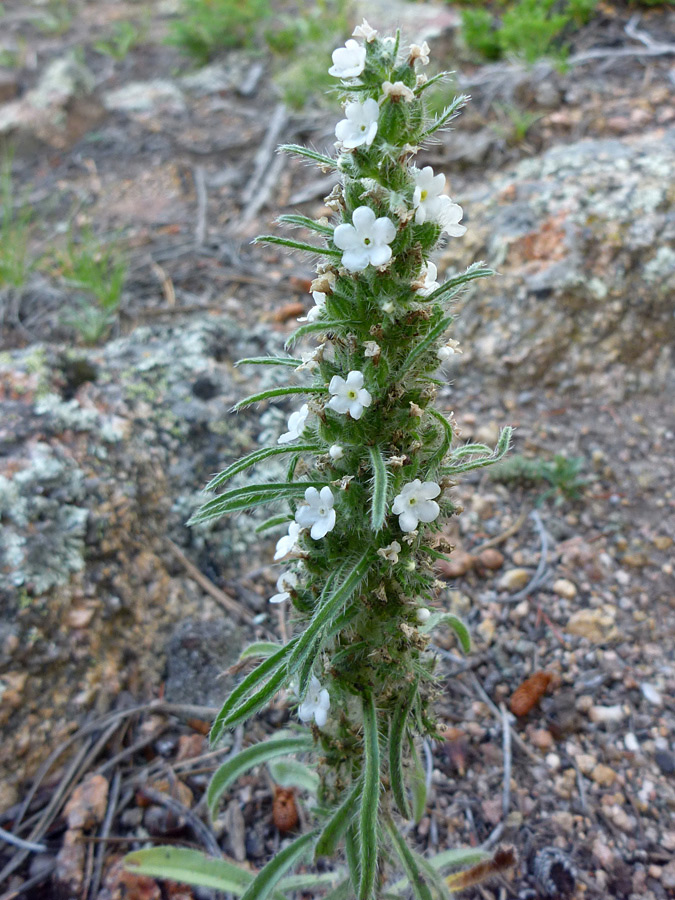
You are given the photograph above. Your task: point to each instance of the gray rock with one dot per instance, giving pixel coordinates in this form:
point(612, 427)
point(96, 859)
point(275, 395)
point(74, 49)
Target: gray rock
point(198, 654)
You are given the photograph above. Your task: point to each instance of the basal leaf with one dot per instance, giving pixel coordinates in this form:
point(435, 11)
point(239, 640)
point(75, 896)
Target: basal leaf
point(339, 822)
point(269, 877)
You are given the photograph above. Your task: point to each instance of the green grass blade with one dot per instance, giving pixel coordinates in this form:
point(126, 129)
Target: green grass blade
point(296, 245)
point(378, 504)
point(277, 392)
point(308, 153)
point(189, 867)
point(261, 672)
point(328, 606)
point(269, 876)
point(370, 802)
point(419, 349)
point(255, 457)
point(337, 825)
point(396, 740)
point(417, 881)
point(305, 222)
point(228, 773)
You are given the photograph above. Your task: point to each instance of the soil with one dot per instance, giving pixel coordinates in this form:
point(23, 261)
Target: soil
point(183, 176)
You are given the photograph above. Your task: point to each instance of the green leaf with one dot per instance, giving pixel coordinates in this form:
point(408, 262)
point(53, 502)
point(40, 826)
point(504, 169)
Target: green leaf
point(338, 823)
point(397, 731)
point(418, 784)
point(329, 603)
point(269, 361)
point(448, 113)
point(498, 453)
point(461, 856)
point(452, 285)
point(441, 76)
point(378, 504)
point(307, 153)
point(250, 496)
point(273, 522)
point(432, 876)
point(271, 393)
point(269, 876)
point(312, 327)
point(258, 700)
point(296, 245)
point(311, 880)
point(189, 867)
point(226, 774)
point(255, 457)
point(305, 222)
point(417, 882)
point(291, 773)
point(352, 854)
point(370, 801)
point(444, 447)
point(261, 672)
point(263, 649)
point(445, 618)
point(419, 349)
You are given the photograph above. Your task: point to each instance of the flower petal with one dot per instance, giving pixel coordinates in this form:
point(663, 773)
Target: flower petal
point(363, 218)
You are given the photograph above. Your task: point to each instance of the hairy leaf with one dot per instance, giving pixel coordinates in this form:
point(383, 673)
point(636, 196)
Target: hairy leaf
point(255, 457)
point(268, 877)
point(271, 393)
point(296, 245)
point(419, 349)
point(305, 222)
point(454, 622)
point(307, 153)
point(370, 801)
point(378, 504)
point(338, 823)
point(250, 496)
point(408, 861)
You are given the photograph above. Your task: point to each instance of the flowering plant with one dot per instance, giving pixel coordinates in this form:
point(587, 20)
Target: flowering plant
point(371, 464)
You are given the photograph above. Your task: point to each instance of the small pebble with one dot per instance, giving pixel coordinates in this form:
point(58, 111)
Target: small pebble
point(605, 715)
point(553, 761)
point(631, 743)
point(542, 738)
point(603, 775)
point(650, 693)
point(491, 558)
point(665, 761)
point(514, 580)
point(565, 589)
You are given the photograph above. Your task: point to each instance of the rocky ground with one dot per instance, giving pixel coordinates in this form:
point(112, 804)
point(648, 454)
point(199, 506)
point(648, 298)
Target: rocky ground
point(117, 622)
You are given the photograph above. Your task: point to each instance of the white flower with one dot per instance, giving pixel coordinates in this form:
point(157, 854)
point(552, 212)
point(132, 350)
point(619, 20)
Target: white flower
point(450, 348)
point(430, 284)
point(397, 91)
point(391, 552)
point(366, 241)
point(296, 425)
point(285, 584)
point(319, 304)
point(365, 31)
point(348, 61)
point(422, 614)
point(360, 126)
point(431, 205)
point(289, 542)
point(336, 452)
point(415, 504)
point(349, 396)
point(387, 307)
point(319, 514)
point(316, 703)
point(421, 53)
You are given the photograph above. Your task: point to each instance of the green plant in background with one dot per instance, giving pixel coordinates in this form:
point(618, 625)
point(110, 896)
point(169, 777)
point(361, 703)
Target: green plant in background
point(56, 17)
point(517, 122)
point(14, 231)
point(371, 463)
point(124, 37)
point(528, 29)
point(207, 26)
point(98, 271)
point(562, 473)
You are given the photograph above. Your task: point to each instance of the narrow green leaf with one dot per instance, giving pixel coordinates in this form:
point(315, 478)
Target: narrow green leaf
point(452, 285)
point(305, 222)
point(471, 450)
point(441, 76)
point(378, 503)
point(262, 649)
point(312, 327)
point(258, 700)
point(454, 622)
point(269, 361)
point(448, 113)
point(308, 153)
point(446, 443)
point(255, 457)
point(271, 393)
point(310, 880)
point(269, 876)
point(250, 496)
point(418, 784)
point(461, 856)
point(417, 881)
point(498, 453)
point(226, 774)
point(291, 773)
point(296, 245)
point(261, 672)
point(424, 345)
point(433, 876)
point(370, 801)
point(341, 892)
point(329, 603)
point(352, 854)
point(397, 731)
point(273, 522)
point(189, 867)
point(338, 823)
